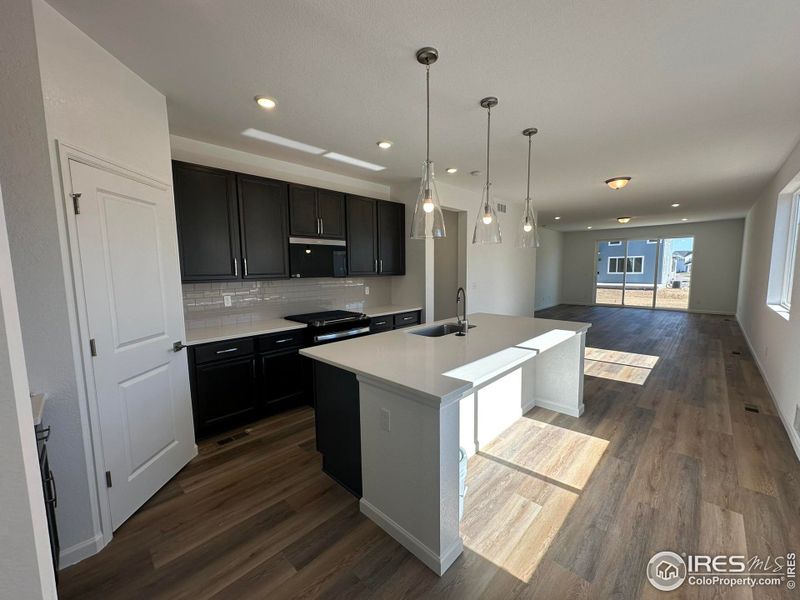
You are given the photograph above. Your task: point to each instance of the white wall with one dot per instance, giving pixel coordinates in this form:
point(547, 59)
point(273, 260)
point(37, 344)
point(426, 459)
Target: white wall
point(775, 341)
point(500, 278)
point(26, 569)
point(548, 268)
point(715, 270)
point(93, 102)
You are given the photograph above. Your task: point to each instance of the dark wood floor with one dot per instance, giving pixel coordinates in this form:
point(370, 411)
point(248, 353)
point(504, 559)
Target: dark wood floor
point(665, 457)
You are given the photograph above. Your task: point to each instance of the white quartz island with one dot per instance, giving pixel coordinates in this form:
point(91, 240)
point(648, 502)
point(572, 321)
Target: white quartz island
point(420, 398)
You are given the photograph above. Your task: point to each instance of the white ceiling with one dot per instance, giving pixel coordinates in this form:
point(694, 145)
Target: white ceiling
point(698, 101)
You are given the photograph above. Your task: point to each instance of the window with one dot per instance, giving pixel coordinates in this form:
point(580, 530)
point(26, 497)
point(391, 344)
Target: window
point(617, 243)
point(791, 253)
point(616, 265)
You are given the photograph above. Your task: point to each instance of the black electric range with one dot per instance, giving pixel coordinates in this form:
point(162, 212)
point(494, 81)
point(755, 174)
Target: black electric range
point(333, 325)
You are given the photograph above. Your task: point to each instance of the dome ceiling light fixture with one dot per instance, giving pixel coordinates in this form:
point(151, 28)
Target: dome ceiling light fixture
point(623, 220)
point(266, 102)
point(487, 226)
point(384, 144)
point(529, 236)
point(617, 183)
point(428, 219)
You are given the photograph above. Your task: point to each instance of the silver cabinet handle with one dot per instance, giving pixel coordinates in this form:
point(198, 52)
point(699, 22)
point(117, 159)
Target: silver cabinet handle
point(318, 230)
point(284, 340)
point(226, 351)
point(407, 318)
point(321, 226)
point(376, 265)
point(244, 264)
point(380, 322)
point(380, 270)
point(235, 267)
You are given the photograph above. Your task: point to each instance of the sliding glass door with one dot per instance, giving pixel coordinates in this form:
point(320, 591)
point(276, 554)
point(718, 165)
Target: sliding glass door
point(645, 273)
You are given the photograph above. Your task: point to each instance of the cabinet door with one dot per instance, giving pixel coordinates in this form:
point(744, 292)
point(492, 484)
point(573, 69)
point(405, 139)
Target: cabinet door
point(362, 241)
point(263, 216)
point(284, 382)
point(303, 211)
point(330, 207)
point(391, 238)
point(208, 222)
point(225, 392)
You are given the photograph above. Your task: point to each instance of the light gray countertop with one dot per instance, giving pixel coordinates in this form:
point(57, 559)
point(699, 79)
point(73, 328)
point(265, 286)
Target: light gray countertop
point(439, 368)
point(37, 406)
point(230, 331)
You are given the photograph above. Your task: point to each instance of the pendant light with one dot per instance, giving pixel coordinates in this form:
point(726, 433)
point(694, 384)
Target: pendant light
point(487, 226)
point(428, 218)
point(529, 237)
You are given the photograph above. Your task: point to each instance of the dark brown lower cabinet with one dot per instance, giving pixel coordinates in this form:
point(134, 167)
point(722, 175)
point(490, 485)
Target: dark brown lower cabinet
point(284, 384)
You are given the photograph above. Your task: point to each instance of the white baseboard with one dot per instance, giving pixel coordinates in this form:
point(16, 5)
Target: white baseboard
point(80, 551)
point(724, 313)
point(437, 563)
point(787, 422)
point(555, 406)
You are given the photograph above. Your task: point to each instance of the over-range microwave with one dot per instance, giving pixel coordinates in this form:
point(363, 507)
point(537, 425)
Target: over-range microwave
point(312, 257)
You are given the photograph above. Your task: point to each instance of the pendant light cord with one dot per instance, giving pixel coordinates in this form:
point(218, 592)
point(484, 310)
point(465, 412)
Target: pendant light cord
point(428, 117)
point(528, 197)
point(488, 141)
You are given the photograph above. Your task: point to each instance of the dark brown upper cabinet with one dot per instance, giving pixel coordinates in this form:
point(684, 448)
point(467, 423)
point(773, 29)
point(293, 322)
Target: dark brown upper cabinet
point(362, 236)
point(316, 213)
point(208, 222)
point(263, 222)
point(391, 238)
point(375, 237)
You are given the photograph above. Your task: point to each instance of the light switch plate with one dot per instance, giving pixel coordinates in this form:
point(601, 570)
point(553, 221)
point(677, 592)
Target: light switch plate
point(366, 290)
point(386, 419)
point(226, 299)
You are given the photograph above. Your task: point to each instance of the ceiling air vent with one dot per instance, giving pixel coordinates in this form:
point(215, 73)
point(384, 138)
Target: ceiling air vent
point(501, 207)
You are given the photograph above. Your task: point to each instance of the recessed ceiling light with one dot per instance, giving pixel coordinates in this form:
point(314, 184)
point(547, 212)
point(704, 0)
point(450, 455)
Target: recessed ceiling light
point(265, 102)
point(356, 162)
point(281, 141)
point(684, 219)
point(557, 218)
point(623, 220)
point(384, 144)
point(676, 205)
point(617, 183)
point(451, 170)
point(589, 227)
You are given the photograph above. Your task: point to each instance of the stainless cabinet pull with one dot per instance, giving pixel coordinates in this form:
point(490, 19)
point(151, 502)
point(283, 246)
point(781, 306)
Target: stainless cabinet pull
point(407, 318)
point(235, 267)
point(226, 351)
point(376, 265)
point(380, 323)
point(321, 226)
point(318, 230)
point(283, 340)
point(380, 270)
point(244, 264)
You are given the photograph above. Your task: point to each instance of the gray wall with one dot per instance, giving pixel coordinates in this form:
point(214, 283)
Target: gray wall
point(548, 268)
point(774, 340)
point(445, 259)
point(715, 272)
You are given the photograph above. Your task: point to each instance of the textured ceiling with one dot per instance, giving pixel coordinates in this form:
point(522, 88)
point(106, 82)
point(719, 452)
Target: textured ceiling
point(698, 101)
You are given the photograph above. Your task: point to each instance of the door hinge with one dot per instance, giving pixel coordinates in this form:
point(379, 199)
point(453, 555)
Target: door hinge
point(108, 479)
point(93, 347)
point(178, 346)
point(76, 203)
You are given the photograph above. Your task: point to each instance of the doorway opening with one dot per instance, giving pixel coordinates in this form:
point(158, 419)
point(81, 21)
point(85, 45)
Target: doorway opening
point(644, 273)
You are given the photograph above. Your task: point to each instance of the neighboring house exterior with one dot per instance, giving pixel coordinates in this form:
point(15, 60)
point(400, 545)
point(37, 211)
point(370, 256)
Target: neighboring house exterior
point(648, 261)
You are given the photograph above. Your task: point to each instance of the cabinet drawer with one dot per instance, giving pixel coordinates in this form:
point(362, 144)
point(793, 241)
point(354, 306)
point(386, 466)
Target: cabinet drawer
point(379, 324)
point(223, 350)
point(282, 340)
point(406, 319)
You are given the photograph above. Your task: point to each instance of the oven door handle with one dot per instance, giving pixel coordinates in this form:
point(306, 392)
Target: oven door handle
point(340, 334)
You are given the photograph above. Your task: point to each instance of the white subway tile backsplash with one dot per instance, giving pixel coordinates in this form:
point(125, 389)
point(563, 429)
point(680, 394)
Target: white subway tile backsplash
point(252, 300)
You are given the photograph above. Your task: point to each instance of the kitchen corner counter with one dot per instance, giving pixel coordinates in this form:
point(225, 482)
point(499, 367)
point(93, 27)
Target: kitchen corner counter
point(230, 331)
point(389, 309)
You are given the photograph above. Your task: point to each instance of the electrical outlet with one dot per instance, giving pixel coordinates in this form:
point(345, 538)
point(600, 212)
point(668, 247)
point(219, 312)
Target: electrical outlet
point(797, 419)
point(226, 299)
point(386, 419)
point(366, 290)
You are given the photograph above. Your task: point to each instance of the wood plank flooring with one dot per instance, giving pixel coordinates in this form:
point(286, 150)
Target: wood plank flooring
point(665, 457)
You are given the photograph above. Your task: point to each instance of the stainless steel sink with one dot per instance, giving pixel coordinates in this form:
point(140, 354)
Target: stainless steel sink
point(439, 330)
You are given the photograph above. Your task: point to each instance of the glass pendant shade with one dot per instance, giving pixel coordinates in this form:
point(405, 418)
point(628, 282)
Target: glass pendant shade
point(487, 225)
point(428, 218)
point(529, 229)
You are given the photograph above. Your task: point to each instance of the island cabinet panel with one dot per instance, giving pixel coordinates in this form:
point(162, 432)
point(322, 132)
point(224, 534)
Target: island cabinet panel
point(391, 238)
point(208, 222)
point(316, 213)
point(338, 425)
point(263, 216)
point(362, 236)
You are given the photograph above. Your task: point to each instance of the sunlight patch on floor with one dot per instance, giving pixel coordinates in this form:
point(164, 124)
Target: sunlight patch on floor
point(627, 367)
point(521, 489)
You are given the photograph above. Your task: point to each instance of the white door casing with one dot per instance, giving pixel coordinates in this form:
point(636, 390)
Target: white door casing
point(127, 249)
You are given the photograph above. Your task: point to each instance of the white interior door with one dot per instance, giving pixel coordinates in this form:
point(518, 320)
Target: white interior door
point(128, 253)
